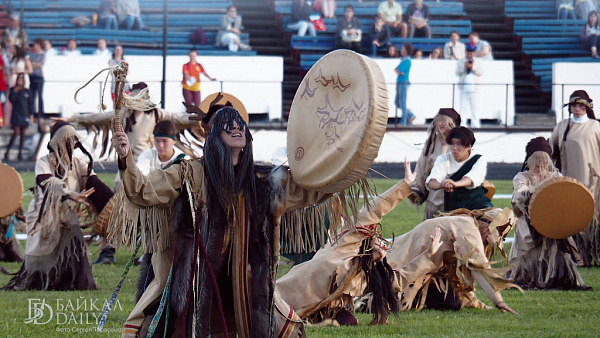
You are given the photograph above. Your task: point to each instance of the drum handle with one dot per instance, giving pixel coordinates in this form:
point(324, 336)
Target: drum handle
point(120, 75)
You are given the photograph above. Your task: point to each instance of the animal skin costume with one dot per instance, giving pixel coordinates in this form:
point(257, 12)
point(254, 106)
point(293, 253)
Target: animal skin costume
point(228, 279)
point(317, 289)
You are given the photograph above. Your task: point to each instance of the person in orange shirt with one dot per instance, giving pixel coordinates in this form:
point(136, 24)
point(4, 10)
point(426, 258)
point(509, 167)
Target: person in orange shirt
point(191, 79)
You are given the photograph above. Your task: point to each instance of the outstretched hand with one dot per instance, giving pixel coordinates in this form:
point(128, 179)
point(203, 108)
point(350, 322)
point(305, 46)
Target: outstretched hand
point(82, 196)
point(505, 308)
point(436, 241)
point(409, 176)
point(119, 140)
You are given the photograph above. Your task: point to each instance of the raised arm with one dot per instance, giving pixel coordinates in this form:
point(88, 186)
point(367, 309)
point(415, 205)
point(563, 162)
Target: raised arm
point(161, 187)
point(387, 201)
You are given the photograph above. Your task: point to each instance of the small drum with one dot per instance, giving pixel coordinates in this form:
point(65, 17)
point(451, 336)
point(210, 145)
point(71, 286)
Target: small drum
point(12, 190)
point(561, 207)
point(337, 121)
point(101, 225)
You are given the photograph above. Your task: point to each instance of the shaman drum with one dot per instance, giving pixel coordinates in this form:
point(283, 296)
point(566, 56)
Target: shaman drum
point(561, 207)
point(337, 121)
point(12, 190)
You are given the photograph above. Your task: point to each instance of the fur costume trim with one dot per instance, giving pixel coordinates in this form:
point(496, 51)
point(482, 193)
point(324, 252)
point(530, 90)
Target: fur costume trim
point(548, 266)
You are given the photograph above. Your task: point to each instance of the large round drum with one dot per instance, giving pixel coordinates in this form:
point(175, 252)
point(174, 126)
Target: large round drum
point(11, 195)
point(561, 207)
point(337, 121)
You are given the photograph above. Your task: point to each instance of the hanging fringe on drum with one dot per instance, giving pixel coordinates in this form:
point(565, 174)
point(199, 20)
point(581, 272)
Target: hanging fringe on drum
point(351, 199)
point(306, 229)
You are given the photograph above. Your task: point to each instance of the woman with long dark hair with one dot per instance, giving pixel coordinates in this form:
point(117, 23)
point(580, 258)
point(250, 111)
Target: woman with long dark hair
point(225, 207)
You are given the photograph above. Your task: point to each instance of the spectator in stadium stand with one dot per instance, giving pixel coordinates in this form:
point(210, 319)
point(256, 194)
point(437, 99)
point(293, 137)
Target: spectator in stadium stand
point(403, 84)
point(19, 63)
point(565, 10)
point(380, 35)
point(300, 19)
point(584, 7)
point(589, 34)
point(230, 28)
point(71, 49)
point(38, 58)
point(101, 49)
point(392, 51)
point(436, 53)
point(454, 49)
point(22, 114)
point(129, 14)
point(391, 13)
point(483, 49)
point(15, 34)
point(417, 17)
point(48, 49)
point(469, 70)
point(348, 32)
point(417, 54)
point(108, 15)
point(191, 79)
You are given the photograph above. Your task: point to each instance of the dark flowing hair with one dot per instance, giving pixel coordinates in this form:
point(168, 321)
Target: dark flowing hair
point(225, 180)
point(597, 19)
point(225, 183)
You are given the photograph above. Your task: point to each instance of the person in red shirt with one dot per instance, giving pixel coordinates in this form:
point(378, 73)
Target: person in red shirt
point(191, 79)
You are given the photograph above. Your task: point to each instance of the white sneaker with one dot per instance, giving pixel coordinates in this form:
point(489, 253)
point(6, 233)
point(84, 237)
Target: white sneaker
point(245, 47)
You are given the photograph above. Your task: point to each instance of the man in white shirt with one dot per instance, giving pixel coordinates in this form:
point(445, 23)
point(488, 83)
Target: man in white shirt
point(460, 173)
point(391, 13)
point(454, 49)
point(164, 151)
point(469, 70)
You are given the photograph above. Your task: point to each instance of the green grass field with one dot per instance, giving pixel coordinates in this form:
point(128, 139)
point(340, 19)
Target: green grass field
point(541, 313)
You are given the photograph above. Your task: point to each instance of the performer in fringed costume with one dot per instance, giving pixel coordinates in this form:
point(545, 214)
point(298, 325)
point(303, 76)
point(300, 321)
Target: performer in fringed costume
point(56, 256)
point(576, 151)
point(322, 288)
point(443, 122)
point(227, 209)
point(539, 262)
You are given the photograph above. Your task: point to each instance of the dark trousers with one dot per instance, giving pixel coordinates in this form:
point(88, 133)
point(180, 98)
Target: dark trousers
point(355, 46)
point(37, 89)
